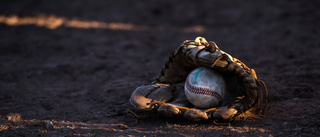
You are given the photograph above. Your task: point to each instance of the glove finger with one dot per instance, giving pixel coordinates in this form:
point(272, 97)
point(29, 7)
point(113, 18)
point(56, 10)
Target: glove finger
point(195, 115)
point(168, 110)
point(224, 113)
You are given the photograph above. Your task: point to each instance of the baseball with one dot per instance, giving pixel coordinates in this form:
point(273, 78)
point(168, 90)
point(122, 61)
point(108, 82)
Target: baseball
point(205, 88)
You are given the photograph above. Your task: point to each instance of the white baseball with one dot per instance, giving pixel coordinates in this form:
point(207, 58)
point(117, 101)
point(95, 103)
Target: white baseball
point(205, 88)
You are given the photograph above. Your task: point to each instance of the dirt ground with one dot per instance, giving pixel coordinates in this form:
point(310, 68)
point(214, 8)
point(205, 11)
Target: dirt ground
point(75, 63)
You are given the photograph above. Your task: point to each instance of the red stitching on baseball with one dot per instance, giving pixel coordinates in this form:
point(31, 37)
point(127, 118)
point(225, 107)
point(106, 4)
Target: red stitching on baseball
point(206, 91)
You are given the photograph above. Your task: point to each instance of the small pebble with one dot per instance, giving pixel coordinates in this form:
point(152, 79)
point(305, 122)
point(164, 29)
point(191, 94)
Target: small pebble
point(14, 117)
point(49, 125)
point(285, 124)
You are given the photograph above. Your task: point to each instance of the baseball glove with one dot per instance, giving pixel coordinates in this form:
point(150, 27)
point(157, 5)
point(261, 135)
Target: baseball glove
point(165, 94)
